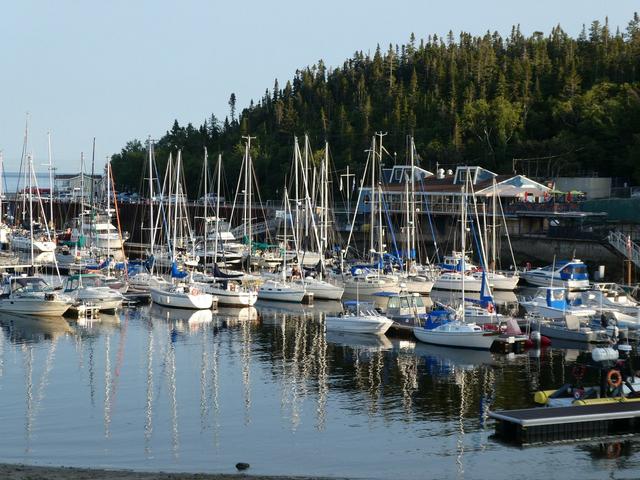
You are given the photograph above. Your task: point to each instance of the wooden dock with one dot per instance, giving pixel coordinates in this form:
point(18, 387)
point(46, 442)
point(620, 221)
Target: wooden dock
point(540, 425)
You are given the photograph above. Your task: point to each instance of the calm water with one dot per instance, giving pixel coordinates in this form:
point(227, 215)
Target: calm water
point(154, 389)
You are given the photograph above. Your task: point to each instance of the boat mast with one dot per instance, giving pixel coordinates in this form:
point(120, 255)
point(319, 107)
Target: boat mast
point(81, 195)
point(493, 230)
point(372, 196)
point(206, 201)
point(151, 216)
point(284, 256)
point(108, 205)
point(379, 185)
point(217, 236)
point(175, 210)
point(412, 247)
point(30, 167)
point(50, 181)
point(463, 237)
point(325, 207)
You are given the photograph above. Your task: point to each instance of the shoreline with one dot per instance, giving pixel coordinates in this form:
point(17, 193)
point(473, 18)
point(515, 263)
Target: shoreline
point(32, 472)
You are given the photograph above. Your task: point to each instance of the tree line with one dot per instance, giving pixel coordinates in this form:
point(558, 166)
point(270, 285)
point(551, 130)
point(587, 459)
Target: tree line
point(573, 103)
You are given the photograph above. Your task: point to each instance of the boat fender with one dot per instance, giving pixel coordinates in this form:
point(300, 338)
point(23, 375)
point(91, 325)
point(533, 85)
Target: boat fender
point(490, 308)
point(614, 379)
point(603, 354)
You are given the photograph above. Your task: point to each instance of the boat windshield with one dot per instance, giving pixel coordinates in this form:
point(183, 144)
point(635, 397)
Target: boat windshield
point(23, 285)
point(557, 294)
point(418, 302)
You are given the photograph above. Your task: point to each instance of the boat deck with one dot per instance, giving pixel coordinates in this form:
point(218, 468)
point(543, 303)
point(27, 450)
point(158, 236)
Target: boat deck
point(537, 425)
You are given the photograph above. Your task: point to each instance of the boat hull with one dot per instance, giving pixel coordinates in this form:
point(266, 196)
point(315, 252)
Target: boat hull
point(370, 324)
point(473, 340)
point(33, 306)
point(166, 298)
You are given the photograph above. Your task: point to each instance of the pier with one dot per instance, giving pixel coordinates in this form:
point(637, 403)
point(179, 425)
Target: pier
point(539, 425)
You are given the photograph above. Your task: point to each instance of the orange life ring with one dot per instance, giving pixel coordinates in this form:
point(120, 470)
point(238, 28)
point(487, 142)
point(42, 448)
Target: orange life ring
point(490, 308)
point(614, 379)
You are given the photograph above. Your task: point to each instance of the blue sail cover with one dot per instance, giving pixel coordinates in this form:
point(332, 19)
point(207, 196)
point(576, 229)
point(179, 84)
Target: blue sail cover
point(175, 273)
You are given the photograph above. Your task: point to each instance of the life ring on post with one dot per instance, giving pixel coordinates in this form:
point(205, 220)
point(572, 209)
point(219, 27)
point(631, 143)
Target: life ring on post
point(614, 379)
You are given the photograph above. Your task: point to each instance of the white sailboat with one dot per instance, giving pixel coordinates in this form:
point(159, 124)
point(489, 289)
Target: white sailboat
point(228, 288)
point(440, 329)
point(367, 280)
point(281, 290)
point(318, 285)
point(181, 294)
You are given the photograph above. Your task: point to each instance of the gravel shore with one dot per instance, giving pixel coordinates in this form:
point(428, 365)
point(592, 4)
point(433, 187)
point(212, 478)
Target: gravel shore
point(26, 472)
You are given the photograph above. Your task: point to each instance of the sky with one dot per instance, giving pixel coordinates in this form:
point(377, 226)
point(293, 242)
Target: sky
point(119, 70)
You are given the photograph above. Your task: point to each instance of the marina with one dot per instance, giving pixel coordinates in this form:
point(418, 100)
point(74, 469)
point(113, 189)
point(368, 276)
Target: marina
point(416, 257)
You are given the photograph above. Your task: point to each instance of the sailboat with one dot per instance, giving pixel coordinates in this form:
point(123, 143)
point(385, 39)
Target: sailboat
point(416, 278)
point(228, 288)
point(141, 275)
point(318, 285)
point(181, 294)
point(440, 328)
point(369, 279)
point(31, 295)
point(496, 279)
point(280, 289)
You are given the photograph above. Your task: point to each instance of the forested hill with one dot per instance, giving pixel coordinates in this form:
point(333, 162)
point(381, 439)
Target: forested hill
point(475, 100)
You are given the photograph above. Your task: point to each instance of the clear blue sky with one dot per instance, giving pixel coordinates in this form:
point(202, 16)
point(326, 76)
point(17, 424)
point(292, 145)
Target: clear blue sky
point(123, 69)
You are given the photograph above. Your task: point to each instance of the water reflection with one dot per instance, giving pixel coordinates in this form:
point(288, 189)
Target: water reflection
point(158, 389)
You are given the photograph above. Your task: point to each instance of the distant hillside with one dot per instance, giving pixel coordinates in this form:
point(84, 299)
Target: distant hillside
point(477, 100)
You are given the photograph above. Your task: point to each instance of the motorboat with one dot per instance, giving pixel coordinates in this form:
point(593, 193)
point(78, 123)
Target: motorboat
point(182, 296)
point(611, 295)
point(553, 302)
point(31, 295)
point(281, 291)
point(441, 329)
point(569, 328)
point(91, 290)
point(407, 310)
point(571, 274)
point(355, 319)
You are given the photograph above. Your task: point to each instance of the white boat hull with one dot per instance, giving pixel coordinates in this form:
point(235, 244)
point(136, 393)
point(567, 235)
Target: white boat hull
point(35, 306)
point(231, 298)
point(321, 290)
point(167, 298)
point(453, 281)
point(415, 285)
point(500, 281)
point(474, 340)
point(24, 244)
point(549, 312)
point(541, 280)
point(371, 324)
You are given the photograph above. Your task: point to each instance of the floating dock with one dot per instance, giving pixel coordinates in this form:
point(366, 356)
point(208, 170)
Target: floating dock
point(541, 425)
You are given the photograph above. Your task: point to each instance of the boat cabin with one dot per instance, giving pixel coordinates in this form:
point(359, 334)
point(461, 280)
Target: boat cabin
point(573, 270)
